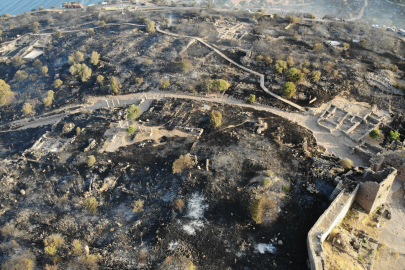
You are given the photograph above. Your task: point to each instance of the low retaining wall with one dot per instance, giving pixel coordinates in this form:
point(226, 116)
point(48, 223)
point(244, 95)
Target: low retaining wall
point(326, 222)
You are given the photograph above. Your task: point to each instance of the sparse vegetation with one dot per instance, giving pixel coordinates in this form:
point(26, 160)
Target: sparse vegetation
point(115, 85)
point(95, 58)
point(48, 100)
point(137, 207)
point(394, 135)
point(186, 65)
point(57, 83)
point(256, 210)
point(131, 130)
point(164, 83)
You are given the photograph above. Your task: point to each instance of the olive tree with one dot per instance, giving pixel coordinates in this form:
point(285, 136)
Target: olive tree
point(216, 118)
point(6, 95)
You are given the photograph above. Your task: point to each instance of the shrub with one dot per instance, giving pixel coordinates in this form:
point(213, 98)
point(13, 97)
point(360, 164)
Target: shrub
point(95, 58)
point(82, 70)
point(256, 210)
point(216, 118)
point(294, 75)
point(268, 60)
point(58, 34)
point(346, 163)
point(289, 89)
point(77, 248)
point(290, 61)
point(293, 19)
point(91, 204)
point(335, 73)
point(394, 135)
point(150, 27)
point(164, 83)
point(393, 68)
point(138, 206)
point(251, 99)
point(259, 58)
point(315, 75)
point(27, 108)
point(37, 63)
point(102, 24)
point(54, 240)
point(221, 85)
point(49, 98)
point(182, 163)
point(21, 262)
point(33, 77)
point(6, 96)
point(139, 80)
point(78, 130)
point(90, 160)
point(100, 79)
point(44, 70)
point(281, 66)
point(266, 182)
point(88, 261)
point(115, 85)
point(50, 21)
point(17, 61)
point(75, 57)
point(186, 65)
point(318, 47)
point(375, 133)
point(268, 173)
point(346, 46)
point(20, 75)
point(305, 70)
point(363, 43)
point(41, 8)
point(286, 189)
point(131, 130)
point(133, 112)
point(91, 32)
point(57, 83)
point(178, 204)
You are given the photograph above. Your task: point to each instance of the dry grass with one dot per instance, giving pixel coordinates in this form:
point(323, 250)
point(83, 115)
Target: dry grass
point(182, 163)
point(138, 206)
point(339, 260)
point(178, 204)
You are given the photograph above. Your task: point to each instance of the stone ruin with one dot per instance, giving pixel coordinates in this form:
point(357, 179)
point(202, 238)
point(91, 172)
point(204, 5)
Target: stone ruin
point(261, 126)
point(383, 80)
point(374, 188)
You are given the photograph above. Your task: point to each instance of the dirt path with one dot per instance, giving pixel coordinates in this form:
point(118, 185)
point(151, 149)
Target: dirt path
point(358, 17)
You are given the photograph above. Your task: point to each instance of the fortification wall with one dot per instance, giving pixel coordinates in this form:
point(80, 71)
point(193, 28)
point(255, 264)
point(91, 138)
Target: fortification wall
point(326, 222)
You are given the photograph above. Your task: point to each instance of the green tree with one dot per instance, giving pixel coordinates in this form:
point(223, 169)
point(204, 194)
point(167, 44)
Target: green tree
point(131, 130)
point(95, 58)
point(316, 75)
point(20, 75)
point(133, 112)
point(115, 85)
point(34, 27)
point(221, 85)
point(40, 8)
point(289, 89)
point(37, 63)
point(82, 70)
point(57, 83)
point(76, 57)
point(186, 65)
point(294, 75)
point(268, 60)
point(6, 96)
point(394, 135)
point(216, 118)
point(91, 32)
point(90, 160)
point(44, 70)
point(375, 133)
point(281, 66)
point(290, 61)
point(27, 109)
point(251, 99)
point(150, 27)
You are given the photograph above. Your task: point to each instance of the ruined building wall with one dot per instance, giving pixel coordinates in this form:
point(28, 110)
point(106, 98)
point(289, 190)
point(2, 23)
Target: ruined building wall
point(373, 194)
point(401, 173)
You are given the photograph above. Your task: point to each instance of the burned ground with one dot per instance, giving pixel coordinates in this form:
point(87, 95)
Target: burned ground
point(213, 228)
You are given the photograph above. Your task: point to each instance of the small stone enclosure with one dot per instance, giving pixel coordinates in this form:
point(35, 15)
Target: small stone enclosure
point(374, 188)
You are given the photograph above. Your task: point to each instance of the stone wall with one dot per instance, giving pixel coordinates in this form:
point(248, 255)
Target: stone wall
point(375, 188)
point(401, 173)
point(326, 222)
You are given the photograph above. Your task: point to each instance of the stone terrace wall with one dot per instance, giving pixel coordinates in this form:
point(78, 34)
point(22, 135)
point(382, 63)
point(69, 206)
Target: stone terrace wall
point(326, 222)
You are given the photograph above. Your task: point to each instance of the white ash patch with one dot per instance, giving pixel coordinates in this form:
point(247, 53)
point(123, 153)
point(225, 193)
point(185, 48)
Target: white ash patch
point(263, 248)
point(195, 212)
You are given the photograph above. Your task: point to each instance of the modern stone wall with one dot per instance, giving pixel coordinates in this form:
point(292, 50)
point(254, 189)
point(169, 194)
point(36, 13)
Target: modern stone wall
point(374, 193)
point(326, 222)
